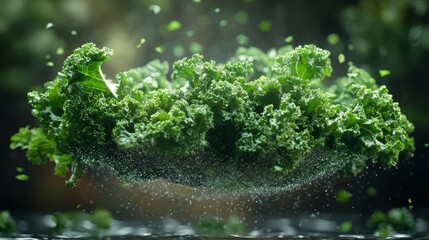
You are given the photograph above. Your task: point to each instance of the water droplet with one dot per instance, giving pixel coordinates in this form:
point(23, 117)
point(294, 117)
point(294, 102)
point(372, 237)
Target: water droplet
point(50, 25)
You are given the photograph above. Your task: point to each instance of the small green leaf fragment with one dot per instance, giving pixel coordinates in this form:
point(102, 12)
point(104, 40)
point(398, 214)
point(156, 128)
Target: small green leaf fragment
point(241, 17)
point(60, 51)
point(174, 25)
point(22, 177)
point(278, 169)
point(265, 26)
point(383, 233)
point(242, 39)
point(50, 25)
point(20, 169)
point(215, 226)
point(411, 205)
point(384, 72)
point(223, 23)
point(102, 218)
point(288, 39)
point(346, 226)
point(341, 58)
point(351, 47)
point(210, 226)
point(401, 219)
point(217, 10)
point(234, 225)
point(142, 41)
point(377, 220)
point(195, 47)
point(197, 1)
point(396, 219)
point(343, 196)
point(333, 39)
point(159, 49)
point(371, 191)
point(155, 8)
point(179, 51)
point(50, 64)
point(426, 145)
point(47, 56)
point(73, 32)
point(190, 33)
point(7, 223)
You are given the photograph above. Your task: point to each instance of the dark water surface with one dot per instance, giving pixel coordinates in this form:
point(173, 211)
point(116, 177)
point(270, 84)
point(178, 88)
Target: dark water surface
point(301, 226)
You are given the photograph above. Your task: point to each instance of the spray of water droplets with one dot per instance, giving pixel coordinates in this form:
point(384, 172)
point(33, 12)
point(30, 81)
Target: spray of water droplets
point(209, 176)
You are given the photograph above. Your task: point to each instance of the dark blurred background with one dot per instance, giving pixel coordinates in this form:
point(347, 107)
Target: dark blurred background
point(36, 37)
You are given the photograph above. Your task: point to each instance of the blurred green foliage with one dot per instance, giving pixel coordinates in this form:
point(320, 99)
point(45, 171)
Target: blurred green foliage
point(7, 223)
point(396, 219)
point(394, 35)
point(346, 226)
point(216, 226)
point(343, 196)
point(390, 34)
point(100, 219)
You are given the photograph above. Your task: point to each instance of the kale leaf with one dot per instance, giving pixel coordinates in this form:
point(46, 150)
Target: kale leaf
point(259, 117)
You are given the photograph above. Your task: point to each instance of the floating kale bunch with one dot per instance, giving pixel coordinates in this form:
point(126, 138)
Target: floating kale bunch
point(259, 114)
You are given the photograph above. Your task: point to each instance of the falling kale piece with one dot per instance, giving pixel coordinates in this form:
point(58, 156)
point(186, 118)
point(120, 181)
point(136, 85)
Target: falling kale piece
point(259, 119)
point(395, 220)
point(7, 224)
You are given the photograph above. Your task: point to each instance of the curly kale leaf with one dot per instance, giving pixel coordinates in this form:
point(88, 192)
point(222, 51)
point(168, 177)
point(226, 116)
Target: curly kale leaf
point(40, 149)
point(368, 121)
point(372, 124)
point(83, 69)
point(309, 62)
point(264, 112)
point(163, 123)
point(262, 62)
point(147, 78)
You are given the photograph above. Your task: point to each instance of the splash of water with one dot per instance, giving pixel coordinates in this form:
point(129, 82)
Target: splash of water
point(209, 176)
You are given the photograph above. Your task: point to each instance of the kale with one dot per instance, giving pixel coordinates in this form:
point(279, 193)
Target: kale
point(258, 116)
point(7, 224)
point(395, 220)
